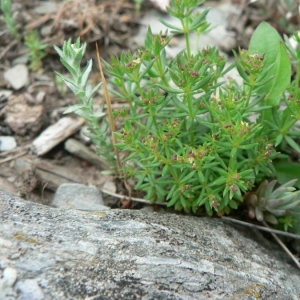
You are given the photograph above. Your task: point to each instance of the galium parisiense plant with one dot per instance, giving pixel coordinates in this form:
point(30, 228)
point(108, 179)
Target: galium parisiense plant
point(35, 50)
point(192, 139)
point(9, 18)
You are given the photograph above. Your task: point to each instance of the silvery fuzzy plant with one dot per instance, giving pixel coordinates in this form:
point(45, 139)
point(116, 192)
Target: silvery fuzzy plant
point(71, 56)
point(189, 135)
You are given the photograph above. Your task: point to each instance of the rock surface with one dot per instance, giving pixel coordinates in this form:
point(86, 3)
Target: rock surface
point(126, 254)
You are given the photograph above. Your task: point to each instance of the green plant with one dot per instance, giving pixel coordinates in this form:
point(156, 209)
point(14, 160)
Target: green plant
point(138, 4)
point(71, 57)
point(9, 18)
point(61, 87)
point(192, 139)
point(36, 50)
point(266, 203)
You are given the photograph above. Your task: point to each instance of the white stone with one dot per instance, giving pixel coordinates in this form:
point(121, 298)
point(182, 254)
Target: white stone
point(17, 76)
point(7, 143)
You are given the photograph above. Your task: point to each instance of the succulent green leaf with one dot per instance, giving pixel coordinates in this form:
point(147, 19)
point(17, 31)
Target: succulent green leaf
point(269, 188)
point(270, 218)
point(291, 205)
point(259, 214)
point(277, 212)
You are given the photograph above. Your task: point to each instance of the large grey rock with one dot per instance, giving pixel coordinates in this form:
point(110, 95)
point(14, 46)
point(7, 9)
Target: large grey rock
point(70, 254)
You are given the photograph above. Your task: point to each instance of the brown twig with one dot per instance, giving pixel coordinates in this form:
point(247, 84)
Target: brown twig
point(6, 49)
point(131, 198)
point(291, 235)
point(283, 246)
point(5, 153)
point(13, 157)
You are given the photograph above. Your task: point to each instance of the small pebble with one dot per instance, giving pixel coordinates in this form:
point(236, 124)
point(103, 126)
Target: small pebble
point(7, 143)
point(17, 76)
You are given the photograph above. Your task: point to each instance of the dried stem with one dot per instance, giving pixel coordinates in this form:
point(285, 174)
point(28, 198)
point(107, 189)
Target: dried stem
point(109, 109)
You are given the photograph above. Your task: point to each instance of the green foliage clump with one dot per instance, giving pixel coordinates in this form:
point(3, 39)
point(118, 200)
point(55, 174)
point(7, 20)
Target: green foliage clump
point(36, 50)
point(192, 138)
point(9, 18)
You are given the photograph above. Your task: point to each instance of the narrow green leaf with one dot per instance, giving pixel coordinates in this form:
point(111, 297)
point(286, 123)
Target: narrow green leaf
point(85, 74)
point(292, 143)
point(278, 140)
point(219, 181)
point(249, 146)
point(170, 194)
point(169, 89)
point(173, 201)
point(169, 25)
point(233, 204)
point(149, 40)
point(148, 67)
point(202, 83)
point(180, 104)
point(74, 108)
point(165, 170)
point(187, 177)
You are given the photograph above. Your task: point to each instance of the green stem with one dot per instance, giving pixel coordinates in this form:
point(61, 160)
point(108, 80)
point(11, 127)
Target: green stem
point(286, 127)
point(197, 42)
point(297, 80)
point(188, 46)
point(186, 31)
point(154, 118)
point(173, 171)
point(127, 96)
point(190, 105)
point(249, 95)
point(161, 71)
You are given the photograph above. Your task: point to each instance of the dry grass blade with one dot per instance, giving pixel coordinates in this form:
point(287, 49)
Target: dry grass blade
point(7, 48)
point(131, 198)
point(272, 231)
point(109, 109)
point(283, 246)
point(291, 235)
point(13, 157)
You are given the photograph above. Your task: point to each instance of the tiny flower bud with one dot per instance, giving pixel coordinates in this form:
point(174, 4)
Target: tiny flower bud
point(234, 188)
point(215, 203)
